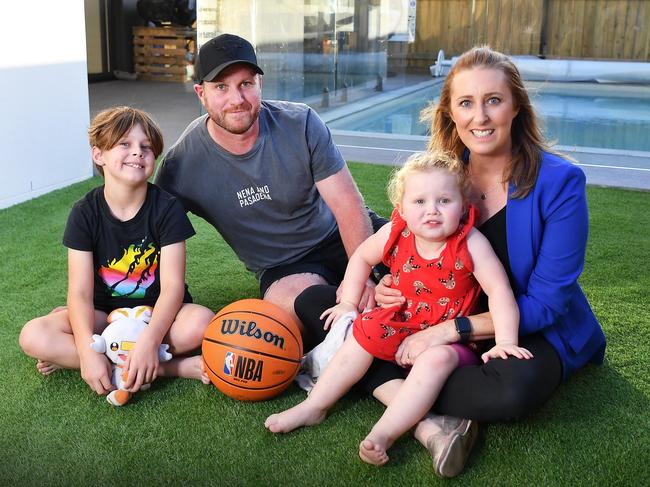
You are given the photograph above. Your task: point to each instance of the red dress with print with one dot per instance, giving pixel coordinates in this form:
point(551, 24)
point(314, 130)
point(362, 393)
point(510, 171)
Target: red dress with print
point(436, 290)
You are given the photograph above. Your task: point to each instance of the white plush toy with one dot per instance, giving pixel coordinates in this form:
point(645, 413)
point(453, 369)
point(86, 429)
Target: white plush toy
point(124, 327)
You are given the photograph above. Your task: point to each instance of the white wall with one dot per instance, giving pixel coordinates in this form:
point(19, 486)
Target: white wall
point(44, 111)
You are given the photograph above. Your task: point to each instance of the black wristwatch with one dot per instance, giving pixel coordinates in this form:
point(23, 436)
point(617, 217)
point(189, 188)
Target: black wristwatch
point(379, 271)
point(464, 328)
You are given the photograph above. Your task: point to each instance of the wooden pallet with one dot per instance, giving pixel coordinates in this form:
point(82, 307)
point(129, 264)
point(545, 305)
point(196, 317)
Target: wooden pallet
point(174, 78)
point(163, 53)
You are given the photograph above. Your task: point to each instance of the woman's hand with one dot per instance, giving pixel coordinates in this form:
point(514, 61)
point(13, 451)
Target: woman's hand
point(334, 313)
point(96, 370)
point(141, 365)
point(415, 344)
point(386, 296)
point(503, 350)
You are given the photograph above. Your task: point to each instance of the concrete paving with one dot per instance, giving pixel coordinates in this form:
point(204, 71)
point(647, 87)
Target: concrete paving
point(174, 105)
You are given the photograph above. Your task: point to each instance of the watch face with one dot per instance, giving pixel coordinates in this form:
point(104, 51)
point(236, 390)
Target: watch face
point(463, 325)
point(463, 328)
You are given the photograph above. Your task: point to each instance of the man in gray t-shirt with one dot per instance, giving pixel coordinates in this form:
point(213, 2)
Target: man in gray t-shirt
point(267, 176)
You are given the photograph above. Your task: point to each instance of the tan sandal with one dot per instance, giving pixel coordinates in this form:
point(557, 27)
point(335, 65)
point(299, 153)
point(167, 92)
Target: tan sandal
point(451, 446)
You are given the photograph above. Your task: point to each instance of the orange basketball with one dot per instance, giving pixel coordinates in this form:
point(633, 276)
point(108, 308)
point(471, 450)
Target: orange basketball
point(252, 350)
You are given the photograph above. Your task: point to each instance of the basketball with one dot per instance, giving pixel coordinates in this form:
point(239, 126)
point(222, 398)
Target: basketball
point(252, 350)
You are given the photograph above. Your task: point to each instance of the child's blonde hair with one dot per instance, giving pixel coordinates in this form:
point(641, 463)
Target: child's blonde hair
point(110, 125)
point(425, 162)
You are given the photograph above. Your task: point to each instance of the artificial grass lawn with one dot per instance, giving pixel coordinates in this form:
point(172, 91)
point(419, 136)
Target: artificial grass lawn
point(55, 431)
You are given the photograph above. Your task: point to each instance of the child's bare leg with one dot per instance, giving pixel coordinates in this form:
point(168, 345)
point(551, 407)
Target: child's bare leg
point(186, 332)
point(185, 335)
point(50, 341)
point(412, 401)
point(346, 368)
point(188, 367)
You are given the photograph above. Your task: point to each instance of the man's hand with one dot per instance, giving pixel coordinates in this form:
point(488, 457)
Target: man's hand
point(367, 301)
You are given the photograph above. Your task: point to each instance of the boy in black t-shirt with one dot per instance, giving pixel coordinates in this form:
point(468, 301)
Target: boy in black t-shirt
point(126, 247)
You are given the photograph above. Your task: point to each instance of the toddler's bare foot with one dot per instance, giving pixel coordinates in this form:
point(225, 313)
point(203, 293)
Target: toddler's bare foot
point(187, 367)
point(302, 414)
point(46, 368)
point(372, 450)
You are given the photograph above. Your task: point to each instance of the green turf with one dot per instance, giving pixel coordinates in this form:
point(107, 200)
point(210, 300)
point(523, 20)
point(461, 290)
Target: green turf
point(55, 431)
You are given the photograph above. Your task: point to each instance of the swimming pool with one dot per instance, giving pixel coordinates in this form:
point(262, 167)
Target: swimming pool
point(573, 114)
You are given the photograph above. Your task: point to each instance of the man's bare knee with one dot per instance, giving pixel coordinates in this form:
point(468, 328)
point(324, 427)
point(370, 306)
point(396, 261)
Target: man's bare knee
point(288, 287)
point(284, 291)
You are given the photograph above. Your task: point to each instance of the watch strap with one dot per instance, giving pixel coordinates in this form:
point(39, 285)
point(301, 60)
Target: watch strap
point(463, 328)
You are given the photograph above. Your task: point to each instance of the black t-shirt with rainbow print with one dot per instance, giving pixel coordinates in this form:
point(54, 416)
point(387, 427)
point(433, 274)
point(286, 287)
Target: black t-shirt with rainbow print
point(126, 255)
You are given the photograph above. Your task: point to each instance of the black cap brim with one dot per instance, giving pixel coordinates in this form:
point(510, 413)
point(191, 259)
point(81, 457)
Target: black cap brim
point(215, 72)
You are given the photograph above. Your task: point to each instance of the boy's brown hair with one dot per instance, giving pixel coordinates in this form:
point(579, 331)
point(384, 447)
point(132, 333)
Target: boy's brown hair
point(110, 125)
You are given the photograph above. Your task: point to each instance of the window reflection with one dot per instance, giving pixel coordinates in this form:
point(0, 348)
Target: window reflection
point(336, 55)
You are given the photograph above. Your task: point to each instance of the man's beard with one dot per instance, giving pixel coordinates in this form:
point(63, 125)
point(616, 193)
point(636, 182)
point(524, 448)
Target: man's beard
point(235, 128)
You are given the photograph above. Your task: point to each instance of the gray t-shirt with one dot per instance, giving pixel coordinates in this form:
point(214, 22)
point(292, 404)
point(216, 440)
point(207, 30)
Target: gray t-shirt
point(264, 203)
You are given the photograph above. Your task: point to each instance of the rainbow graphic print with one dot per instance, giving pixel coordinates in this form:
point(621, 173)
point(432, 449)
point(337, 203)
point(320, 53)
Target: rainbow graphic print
point(132, 274)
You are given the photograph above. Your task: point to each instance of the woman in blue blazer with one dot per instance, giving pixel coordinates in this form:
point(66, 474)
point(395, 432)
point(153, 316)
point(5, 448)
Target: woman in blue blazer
point(534, 212)
point(533, 209)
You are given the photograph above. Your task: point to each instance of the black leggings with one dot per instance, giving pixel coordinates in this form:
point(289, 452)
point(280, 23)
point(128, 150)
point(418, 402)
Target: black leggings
point(499, 390)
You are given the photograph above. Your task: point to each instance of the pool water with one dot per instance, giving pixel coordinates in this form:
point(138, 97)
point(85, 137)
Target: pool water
point(572, 114)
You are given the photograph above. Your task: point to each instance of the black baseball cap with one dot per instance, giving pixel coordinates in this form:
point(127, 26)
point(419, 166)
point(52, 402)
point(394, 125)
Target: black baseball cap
point(222, 51)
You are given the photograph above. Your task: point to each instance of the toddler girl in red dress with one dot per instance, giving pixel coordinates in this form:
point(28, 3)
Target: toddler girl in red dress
point(440, 263)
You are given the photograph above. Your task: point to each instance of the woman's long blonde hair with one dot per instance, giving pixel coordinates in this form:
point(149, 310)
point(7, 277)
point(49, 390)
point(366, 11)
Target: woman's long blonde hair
point(527, 140)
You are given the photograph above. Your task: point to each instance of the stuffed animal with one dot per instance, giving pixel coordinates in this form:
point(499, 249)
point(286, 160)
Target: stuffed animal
point(124, 327)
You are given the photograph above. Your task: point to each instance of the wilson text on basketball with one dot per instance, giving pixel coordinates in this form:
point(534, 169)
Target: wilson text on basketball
point(250, 329)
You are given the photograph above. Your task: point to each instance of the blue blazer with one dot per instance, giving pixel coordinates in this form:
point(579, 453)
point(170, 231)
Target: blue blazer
point(547, 237)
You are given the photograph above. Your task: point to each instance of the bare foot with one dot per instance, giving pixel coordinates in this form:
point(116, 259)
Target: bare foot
point(46, 368)
point(302, 414)
point(187, 367)
point(372, 450)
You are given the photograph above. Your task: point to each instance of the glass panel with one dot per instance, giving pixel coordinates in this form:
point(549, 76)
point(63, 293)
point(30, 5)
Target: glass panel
point(326, 53)
point(336, 55)
point(319, 50)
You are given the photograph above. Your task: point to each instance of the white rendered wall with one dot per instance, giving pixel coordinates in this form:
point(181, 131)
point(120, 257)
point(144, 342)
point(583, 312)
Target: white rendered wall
point(44, 110)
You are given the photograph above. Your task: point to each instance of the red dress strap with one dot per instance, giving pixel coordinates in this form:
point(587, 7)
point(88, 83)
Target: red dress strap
point(397, 225)
point(457, 243)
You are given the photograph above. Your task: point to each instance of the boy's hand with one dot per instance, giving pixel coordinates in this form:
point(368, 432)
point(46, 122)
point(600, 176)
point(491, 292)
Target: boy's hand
point(503, 350)
point(141, 365)
point(96, 370)
point(335, 312)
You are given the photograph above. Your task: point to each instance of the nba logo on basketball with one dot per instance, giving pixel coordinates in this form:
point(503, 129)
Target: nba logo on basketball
point(229, 363)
